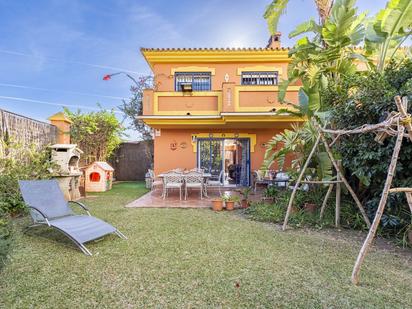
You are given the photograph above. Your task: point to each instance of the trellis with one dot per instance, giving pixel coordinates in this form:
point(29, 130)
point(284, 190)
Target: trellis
point(397, 124)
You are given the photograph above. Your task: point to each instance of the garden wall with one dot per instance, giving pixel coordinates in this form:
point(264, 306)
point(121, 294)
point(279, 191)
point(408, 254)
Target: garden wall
point(132, 160)
point(25, 131)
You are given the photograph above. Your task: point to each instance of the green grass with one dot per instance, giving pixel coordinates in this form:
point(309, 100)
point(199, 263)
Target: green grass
point(194, 258)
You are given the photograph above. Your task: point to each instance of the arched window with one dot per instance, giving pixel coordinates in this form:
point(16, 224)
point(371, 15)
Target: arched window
point(94, 177)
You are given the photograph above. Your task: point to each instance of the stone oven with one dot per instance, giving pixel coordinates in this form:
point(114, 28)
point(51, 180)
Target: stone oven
point(67, 157)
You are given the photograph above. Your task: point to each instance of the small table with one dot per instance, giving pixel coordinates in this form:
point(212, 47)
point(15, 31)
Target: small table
point(285, 181)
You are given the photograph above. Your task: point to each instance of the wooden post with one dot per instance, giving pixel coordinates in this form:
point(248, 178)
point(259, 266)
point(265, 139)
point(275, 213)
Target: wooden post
point(372, 231)
point(338, 198)
point(295, 188)
point(409, 199)
point(337, 168)
point(325, 201)
point(404, 113)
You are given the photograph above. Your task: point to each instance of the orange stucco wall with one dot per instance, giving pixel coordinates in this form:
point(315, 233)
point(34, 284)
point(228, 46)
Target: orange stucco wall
point(183, 156)
point(63, 131)
point(165, 79)
point(188, 103)
point(264, 98)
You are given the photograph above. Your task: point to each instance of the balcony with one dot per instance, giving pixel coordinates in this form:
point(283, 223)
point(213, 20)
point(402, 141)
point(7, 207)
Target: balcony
point(261, 98)
point(182, 103)
point(231, 98)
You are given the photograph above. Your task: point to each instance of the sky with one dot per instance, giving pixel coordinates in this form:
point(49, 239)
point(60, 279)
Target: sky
point(55, 52)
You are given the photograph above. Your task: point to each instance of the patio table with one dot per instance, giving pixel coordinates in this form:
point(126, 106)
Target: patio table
point(204, 175)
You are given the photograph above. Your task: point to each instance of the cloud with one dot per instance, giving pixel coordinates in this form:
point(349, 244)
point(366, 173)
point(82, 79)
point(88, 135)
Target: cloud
point(153, 23)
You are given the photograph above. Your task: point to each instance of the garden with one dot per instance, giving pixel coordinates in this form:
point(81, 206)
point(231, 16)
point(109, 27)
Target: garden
point(197, 258)
point(351, 67)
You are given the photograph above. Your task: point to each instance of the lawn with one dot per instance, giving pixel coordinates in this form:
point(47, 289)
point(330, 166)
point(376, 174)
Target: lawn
point(197, 258)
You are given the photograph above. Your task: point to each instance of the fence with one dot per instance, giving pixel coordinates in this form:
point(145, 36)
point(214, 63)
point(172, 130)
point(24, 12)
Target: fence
point(25, 131)
point(132, 160)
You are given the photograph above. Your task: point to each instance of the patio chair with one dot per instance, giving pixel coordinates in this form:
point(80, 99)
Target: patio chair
point(215, 183)
point(194, 180)
point(47, 206)
point(156, 181)
point(196, 169)
point(172, 180)
point(282, 179)
point(258, 179)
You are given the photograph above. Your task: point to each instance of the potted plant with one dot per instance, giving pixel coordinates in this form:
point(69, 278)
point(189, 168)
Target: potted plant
point(310, 207)
point(230, 201)
point(245, 193)
point(217, 204)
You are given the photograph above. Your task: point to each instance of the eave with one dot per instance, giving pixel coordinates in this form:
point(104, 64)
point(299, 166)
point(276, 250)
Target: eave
point(263, 55)
point(225, 120)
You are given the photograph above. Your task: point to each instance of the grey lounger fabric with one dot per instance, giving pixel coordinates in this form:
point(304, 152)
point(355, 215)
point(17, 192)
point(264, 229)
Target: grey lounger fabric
point(48, 206)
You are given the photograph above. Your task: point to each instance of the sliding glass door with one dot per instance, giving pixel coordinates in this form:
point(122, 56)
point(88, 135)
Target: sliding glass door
point(210, 156)
point(229, 155)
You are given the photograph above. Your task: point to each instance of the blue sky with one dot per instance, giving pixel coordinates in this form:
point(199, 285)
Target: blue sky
point(57, 51)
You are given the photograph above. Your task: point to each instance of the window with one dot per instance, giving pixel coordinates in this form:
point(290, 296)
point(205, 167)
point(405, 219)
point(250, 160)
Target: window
point(199, 81)
point(259, 78)
point(94, 177)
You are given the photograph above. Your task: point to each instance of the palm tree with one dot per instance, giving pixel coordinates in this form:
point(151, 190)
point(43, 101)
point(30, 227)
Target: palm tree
point(278, 7)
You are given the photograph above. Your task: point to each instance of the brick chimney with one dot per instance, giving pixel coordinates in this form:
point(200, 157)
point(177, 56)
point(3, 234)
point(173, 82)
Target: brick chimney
point(62, 123)
point(274, 40)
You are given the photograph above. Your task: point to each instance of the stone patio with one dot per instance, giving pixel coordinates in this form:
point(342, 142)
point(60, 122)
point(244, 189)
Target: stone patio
point(153, 199)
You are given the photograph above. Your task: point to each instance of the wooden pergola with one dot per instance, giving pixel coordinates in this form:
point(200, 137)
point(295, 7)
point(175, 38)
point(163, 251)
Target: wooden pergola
point(397, 124)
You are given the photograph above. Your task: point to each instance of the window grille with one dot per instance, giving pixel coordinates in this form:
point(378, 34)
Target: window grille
point(200, 81)
point(259, 78)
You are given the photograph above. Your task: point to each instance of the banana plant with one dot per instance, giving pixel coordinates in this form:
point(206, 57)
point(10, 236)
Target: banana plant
point(388, 30)
point(277, 8)
point(298, 141)
point(329, 53)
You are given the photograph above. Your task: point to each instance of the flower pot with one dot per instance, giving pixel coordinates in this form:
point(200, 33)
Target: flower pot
point(294, 209)
point(310, 207)
point(230, 205)
point(217, 205)
point(245, 203)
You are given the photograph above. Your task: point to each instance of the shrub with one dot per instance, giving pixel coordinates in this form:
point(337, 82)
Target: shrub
point(18, 163)
point(97, 134)
point(21, 163)
point(5, 236)
point(369, 98)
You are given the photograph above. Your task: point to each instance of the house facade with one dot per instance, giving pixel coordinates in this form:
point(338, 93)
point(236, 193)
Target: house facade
point(215, 108)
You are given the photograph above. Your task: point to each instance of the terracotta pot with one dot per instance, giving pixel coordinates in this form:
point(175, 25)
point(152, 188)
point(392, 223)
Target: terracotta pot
point(217, 205)
point(410, 237)
point(245, 203)
point(310, 207)
point(230, 205)
point(294, 209)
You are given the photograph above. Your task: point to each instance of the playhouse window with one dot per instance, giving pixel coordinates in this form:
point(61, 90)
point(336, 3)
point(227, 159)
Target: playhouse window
point(94, 177)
